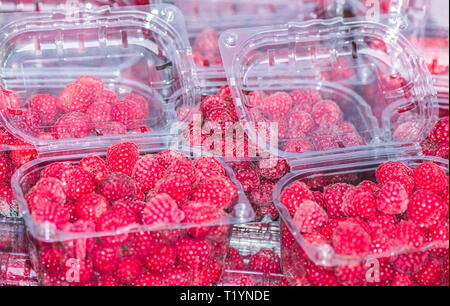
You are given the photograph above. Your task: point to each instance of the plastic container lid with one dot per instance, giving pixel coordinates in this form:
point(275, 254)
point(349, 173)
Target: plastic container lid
point(372, 94)
point(138, 53)
point(48, 5)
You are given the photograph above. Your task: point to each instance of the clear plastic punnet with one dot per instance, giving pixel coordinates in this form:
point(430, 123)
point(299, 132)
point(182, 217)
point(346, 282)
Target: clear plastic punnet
point(340, 227)
point(104, 203)
point(325, 85)
point(207, 19)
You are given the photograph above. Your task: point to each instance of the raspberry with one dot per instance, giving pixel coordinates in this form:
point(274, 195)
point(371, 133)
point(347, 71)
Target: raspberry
point(75, 98)
point(353, 140)
point(310, 217)
point(305, 99)
point(279, 104)
point(430, 275)
point(225, 93)
point(148, 279)
point(73, 125)
point(46, 107)
point(107, 281)
point(94, 85)
point(91, 207)
point(177, 187)
point(373, 187)
point(7, 194)
point(265, 261)
point(107, 96)
point(359, 202)
point(392, 171)
point(162, 260)
point(429, 176)
point(209, 275)
point(384, 224)
point(442, 150)
point(99, 114)
point(162, 210)
point(82, 272)
point(327, 112)
point(408, 234)
point(256, 99)
point(411, 263)
point(47, 190)
point(351, 275)
point(441, 131)
point(184, 168)
point(217, 190)
point(112, 128)
point(402, 280)
point(54, 170)
point(23, 153)
point(144, 244)
point(262, 195)
point(386, 274)
point(393, 199)
point(127, 112)
point(234, 260)
point(199, 213)
point(334, 197)
point(5, 137)
point(192, 253)
point(248, 177)
point(407, 131)
point(31, 120)
point(50, 212)
point(212, 102)
point(111, 221)
point(295, 195)
point(11, 101)
point(208, 166)
point(96, 166)
point(147, 173)
point(325, 139)
point(351, 239)
point(128, 269)
point(141, 103)
point(117, 186)
point(105, 258)
point(426, 209)
point(298, 146)
point(77, 182)
point(272, 169)
point(51, 259)
point(381, 244)
point(439, 237)
point(207, 41)
point(5, 168)
point(122, 157)
point(320, 276)
point(166, 158)
point(176, 276)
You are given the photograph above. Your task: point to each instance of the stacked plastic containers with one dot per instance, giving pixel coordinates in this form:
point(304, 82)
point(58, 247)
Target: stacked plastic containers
point(115, 72)
point(343, 108)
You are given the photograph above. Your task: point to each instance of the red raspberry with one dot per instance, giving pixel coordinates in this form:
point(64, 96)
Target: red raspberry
point(5, 168)
point(392, 171)
point(442, 150)
point(402, 280)
point(217, 190)
point(295, 195)
point(99, 114)
point(262, 195)
point(176, 186)
point(327, 112)
point(23, 153)
point(326, 139)
point(359, 202)
point(107, 281)
point(207, 41)
point(301, 121)
point(96, 166)
point(408, 234)
point(7, 194)
point(52, 213)
point(273, 169)
point(51, 259)
point(430, 275)
point(305, 99)
point(411, 262)
point(439, 237)
point(429, 176)
point(162, 260)
point(162, 209)
point(265, 261)
point(216, 119)
point(334, 198)
point(310, 217)
point(11, 101)
point(144, 244)
point(75, 98)
point(141, 103)
point(320, 276)
point(148, 279)
point(107, 96)
point(47, 190)
point(128, 269)
point(200, 213)
point(128, 113)
point(381, 244)
point(299, 146)
point(147, 173)
point(47, 108)
point(176, 276)
point(384, 224)
point(122, 157)
point(212, 102)
point(77, 182)
point(351, 239)
point(441, 131)
point(80, 270)
point(234, 260)
point(371, 186)
point(351, 275)
point(225, 93)
point(256, 99)
point(31, 121)
point(166, 158)
point(353, 140)
point(426, 209)
point(92, 84)
point(248, 177)
point(209, 275)
point(117, 186)
point(112, 128)
point(184, 168)
point(393, 199)
point(5, 137)
point(105, 258)
point(91, 207)
point(208, 167)
point(55, 170)
point(192, 253)
point(73, 125)
point(111, 221)
point(278, 105)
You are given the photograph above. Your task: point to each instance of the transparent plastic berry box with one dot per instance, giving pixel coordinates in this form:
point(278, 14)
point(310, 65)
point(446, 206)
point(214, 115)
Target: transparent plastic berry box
point(374, 218)
point(207, 19)
point(324, 85)
point(15, 270)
